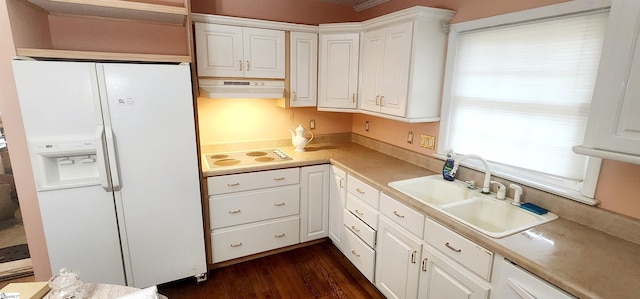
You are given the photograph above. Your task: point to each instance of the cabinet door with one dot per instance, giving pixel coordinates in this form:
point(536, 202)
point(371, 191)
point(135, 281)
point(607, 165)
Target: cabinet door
point(303, 73)
point(441, 277)
point(219, 51)
point(314, 199)
point(614, 124)
point(372, 69)
point(338, 70)
point(397, 61)
point(397, 261)
point(264, 53)
point(337, 199)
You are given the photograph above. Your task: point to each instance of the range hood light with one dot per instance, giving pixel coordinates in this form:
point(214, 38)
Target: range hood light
point(242, 88)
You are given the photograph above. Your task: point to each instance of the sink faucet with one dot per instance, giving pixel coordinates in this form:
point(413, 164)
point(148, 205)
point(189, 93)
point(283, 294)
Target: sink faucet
point(487, 171)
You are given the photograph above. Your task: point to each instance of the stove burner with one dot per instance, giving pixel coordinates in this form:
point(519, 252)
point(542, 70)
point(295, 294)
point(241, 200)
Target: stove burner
point(256, 154)
point(226, 162)
point(264, 159)
point(255, 157)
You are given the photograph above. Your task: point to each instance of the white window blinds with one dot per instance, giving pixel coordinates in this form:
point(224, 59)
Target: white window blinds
point(520, 94)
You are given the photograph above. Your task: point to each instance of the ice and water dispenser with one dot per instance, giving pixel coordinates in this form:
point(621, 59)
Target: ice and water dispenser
point(65, 165)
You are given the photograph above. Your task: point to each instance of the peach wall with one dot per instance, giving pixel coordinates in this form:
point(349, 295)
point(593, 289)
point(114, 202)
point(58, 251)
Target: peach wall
point(293, 11)
point(395, 132)
point(30, 26)
point(234, 120)
point(617, 188)
point(17, 142)
point(108, 35)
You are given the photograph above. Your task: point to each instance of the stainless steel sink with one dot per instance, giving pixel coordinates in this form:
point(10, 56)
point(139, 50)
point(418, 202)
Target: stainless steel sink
point(484, 213)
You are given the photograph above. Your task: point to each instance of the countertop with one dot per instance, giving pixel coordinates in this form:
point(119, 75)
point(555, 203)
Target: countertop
point(582, 261)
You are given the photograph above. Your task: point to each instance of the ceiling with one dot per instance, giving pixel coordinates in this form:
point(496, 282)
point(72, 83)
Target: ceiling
point(358, 5)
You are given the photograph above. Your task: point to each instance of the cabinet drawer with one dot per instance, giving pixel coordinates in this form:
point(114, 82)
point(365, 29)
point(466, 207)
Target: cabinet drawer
point(366, 233)
point(363, 191)
point(360, 255)
point(460, 249)
point(251, 206)
point(408, 218)
point(253, 180)
point(235, 242)
point(362, 211)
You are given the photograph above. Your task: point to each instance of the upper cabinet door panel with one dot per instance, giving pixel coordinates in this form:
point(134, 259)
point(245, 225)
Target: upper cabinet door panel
point(303, 69)
point(613, 128)
point(397, 63)
point(372, 70)
point(219, 50)
point(239, 52)
point(339, 70)
point(264, 53)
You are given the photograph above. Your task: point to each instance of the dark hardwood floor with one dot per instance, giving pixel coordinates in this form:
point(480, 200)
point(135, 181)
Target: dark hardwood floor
point(316, 271)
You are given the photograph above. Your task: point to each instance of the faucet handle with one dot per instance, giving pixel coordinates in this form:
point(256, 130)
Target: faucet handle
point(501, 193)
point(516, 195)
point(472, 185)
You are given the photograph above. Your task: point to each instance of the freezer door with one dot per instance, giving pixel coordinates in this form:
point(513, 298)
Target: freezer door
point(59, 104)
point(150, 111)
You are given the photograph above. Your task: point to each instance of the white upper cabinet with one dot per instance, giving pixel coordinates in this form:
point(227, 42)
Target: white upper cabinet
point(239, 52)
point(613, 129)
point(403, 58)
point(386, 63)
point(302, 90)
point(338, 71)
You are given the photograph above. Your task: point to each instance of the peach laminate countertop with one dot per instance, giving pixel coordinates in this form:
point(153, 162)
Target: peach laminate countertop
point(583, 261)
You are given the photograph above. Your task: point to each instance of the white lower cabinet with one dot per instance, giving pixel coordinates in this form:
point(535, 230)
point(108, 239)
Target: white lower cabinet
point(238, 241)
point(359, 253)
point(397, 261)
point(441, 277)
point(516, 283)
point(337, 199)
point(314, 202)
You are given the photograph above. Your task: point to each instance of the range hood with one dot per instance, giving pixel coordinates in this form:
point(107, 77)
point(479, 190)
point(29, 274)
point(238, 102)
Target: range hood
point(242, 88)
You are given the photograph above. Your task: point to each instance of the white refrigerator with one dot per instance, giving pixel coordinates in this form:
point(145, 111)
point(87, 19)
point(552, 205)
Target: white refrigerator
point(113, 153)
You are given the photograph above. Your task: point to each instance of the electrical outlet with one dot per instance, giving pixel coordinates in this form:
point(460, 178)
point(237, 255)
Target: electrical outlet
point(366, 126)
point(312, 124)
point(427, 141)
point(410, 137)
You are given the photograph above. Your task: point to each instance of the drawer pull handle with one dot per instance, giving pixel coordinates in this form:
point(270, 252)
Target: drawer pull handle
point(279, 204)
point(358, 212)
point(233, 184)
point(359, 191)
point(424, 265)
point(354, 228)
point(355, 253)
point(280, 235)
point(452, 248)
point(279, 179)
point(396, 213)
point(341, 183)
point(413, 257)
point(235, 212)
point(236, 245)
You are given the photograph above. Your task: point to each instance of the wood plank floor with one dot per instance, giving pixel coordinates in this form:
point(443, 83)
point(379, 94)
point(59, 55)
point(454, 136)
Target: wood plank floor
point(316, 271)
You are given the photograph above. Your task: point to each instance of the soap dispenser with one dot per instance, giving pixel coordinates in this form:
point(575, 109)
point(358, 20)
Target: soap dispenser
point(448, 166)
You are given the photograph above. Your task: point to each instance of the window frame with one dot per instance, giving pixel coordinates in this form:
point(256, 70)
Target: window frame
point(529, 178)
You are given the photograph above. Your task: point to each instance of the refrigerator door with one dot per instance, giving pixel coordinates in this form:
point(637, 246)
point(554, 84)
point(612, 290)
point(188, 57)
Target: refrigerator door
point(150, 111)
point(59, 105)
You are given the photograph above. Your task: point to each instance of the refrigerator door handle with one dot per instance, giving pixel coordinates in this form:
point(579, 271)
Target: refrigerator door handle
point(105, 179)
point(113, 162)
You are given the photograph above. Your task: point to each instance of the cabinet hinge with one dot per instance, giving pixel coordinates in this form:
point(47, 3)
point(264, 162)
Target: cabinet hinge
point(446, 27)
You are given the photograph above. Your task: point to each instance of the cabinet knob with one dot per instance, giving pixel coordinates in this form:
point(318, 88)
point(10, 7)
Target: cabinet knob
point(247, 65)
point(280, 235)
point(235, 212)
point(354, 228)
point(355, 253)
point(381, 101)
point(424, 265)
point(413, 256)
point(279, 204)
point(398, 215)
point(452, 248)
point(377, 100)
point(240, 64)
point(294, 97)
point(353, 97)
point(236, 245)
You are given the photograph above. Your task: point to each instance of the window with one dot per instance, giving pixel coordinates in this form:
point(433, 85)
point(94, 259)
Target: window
point(518, 90)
